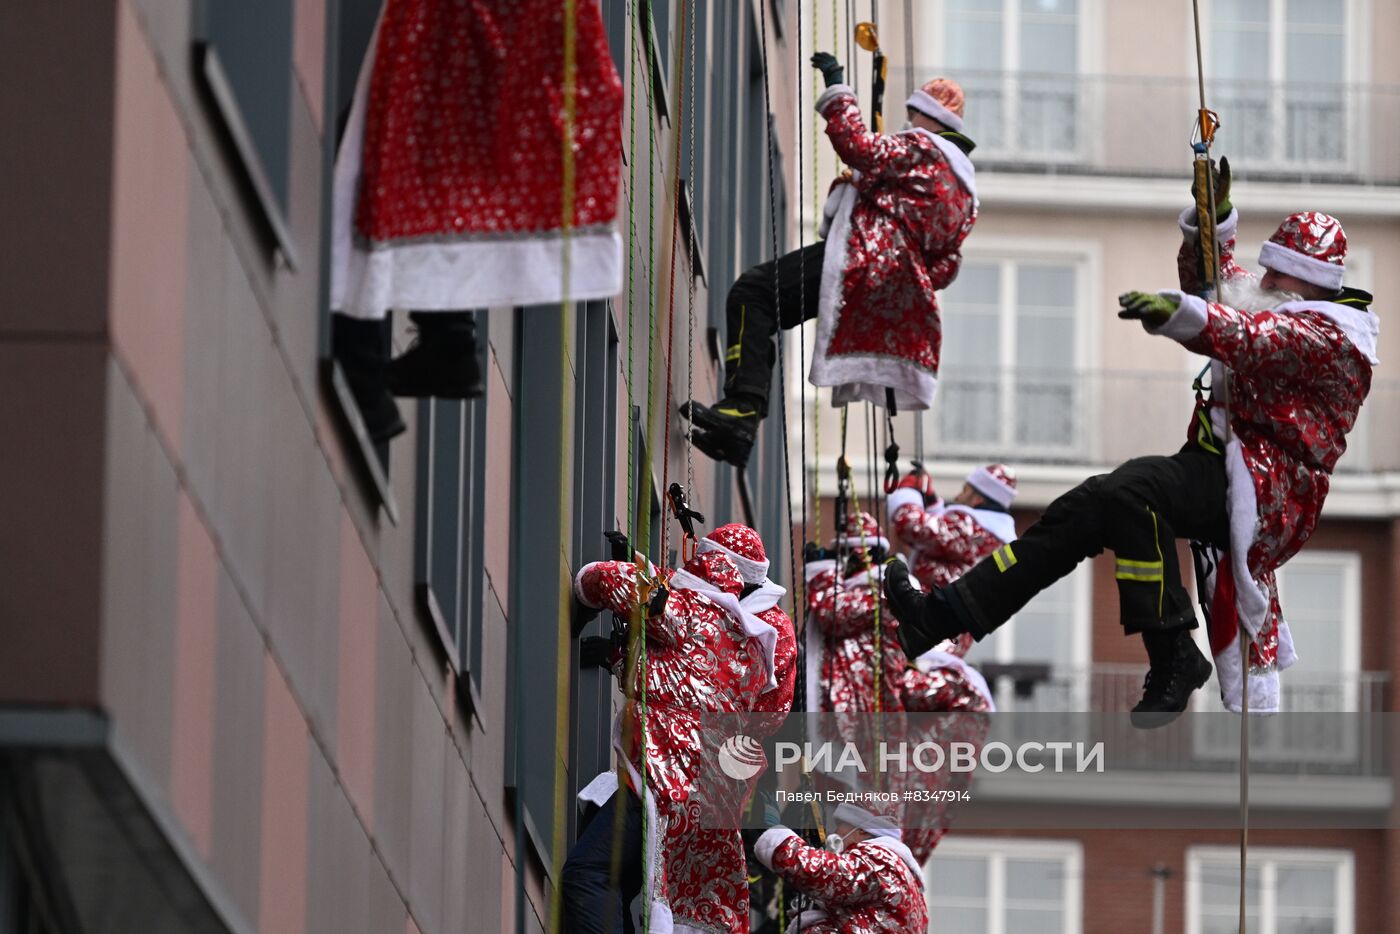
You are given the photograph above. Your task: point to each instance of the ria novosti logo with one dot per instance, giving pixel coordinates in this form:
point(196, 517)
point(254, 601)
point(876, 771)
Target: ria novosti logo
point(741, 757)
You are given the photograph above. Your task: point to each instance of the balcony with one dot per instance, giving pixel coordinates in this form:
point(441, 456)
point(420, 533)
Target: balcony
point(1134, 126)
point(1029, 416)
point(1328, 751)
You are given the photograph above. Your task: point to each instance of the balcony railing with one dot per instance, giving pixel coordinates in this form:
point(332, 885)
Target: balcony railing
point(1332, 723)
point(1106, 417)
point(1137, 126)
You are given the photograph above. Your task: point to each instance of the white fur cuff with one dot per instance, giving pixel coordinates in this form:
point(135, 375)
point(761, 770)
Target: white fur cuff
point(768, 844)
point(1187, 321)
point(831, 94)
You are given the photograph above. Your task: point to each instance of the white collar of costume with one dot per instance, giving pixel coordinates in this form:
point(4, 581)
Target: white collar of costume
point(898, 848)
point(764, 598)
point(863, 579)
point(932, 660)
point(752, 626)
point(1361, 327)
point(957, 159)
point(999, 524)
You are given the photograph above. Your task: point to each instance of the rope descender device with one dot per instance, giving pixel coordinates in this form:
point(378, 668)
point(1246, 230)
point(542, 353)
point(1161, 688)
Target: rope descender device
point(687, 517)
point(891, 468)
point(869, 39)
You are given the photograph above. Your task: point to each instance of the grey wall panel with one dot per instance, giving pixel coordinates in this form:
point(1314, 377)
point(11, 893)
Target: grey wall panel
point(338, 858)
point(426, 828)
point(238, 751)
point(245, 437)
point(296, 294)
point(395, 684)
point(386, 908)
point(205, 309)
point(140, 583)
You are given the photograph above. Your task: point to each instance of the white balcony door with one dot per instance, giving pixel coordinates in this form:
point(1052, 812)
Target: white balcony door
point(1003, 886)
point(1018, 61)
point(1279, 70)
point(1288, 891)
point(1008, 385)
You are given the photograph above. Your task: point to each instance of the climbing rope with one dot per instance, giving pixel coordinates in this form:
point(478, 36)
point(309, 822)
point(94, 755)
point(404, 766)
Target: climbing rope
point(1207, 122)
point(777, 287)
point(564, 639)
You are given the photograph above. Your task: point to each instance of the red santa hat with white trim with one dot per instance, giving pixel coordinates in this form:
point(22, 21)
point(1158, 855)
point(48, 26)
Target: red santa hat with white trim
point(862, 531)
point(943, 100)
point(741, 545)
point(997, 482)
point(1308, 246)
point(877, 817)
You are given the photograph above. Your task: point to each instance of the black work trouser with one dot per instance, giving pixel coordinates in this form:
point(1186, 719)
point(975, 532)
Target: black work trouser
point(595, 902)
point(1137, 511)
point(753, 314)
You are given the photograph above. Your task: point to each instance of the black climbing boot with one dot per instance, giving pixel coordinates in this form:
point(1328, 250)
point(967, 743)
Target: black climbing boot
point(442, 361)
point(362, 349)
point(925, 619)
point(724, 431)
point(1177, 669)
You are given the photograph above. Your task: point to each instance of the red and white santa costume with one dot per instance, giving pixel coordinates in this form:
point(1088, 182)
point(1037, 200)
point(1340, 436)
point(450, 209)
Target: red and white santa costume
point(843, 609)
point(946, 541)
point(941, 681)
point(742, 545)
point(873, 886)
point(1298, 376)
point(704, 654)
point(894, 236)
point(449, 189)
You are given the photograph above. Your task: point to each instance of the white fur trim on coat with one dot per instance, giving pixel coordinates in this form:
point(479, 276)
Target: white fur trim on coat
point(1189, 319)
point(1362, 327)
point(1000, 524)
point(753, 627)
point(933, 660)
point(832, 93)
point(985, 482)
point(768, 843)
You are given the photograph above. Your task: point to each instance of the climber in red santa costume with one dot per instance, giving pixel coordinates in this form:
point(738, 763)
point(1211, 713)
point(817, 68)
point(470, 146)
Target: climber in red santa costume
point(865, 880)
point(894, 229)
point(947, 540)
point(1299, 348)
point(705, 653)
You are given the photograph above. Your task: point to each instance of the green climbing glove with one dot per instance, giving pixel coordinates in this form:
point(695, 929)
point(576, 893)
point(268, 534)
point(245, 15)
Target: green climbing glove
point(1221, 177)
point(1150, 308)
point(830, 68)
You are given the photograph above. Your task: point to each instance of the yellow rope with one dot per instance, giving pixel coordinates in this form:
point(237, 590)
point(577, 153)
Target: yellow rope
point(564, 635)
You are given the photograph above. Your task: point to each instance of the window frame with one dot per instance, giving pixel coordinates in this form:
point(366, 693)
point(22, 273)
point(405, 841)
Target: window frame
point(1268, 859)
point(1085, 256)
point(1355, 106)
point(997, 850)
point(458, 624)
point(212, 62)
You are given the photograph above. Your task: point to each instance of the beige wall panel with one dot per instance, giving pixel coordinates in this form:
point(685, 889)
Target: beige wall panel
point(285, 779)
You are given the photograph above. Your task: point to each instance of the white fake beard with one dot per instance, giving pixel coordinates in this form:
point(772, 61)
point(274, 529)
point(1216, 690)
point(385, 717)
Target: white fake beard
point(1244, 293)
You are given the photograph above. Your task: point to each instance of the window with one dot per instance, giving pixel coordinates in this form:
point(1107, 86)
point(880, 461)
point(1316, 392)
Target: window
point(1288, 891)
point(1280, 71)
point(1001, 886)
point(245, 61)
point(1052, 629)
point(449, 567)
point(1011, 348)
point(1321, 596)
point(595, 486)
point(1018, 62)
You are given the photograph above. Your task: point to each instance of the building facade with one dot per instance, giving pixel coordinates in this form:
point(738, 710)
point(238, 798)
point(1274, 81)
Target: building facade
point(260, 675)
point(1083, 112)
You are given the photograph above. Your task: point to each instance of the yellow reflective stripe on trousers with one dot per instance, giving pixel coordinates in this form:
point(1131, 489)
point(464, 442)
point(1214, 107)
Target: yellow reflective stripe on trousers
point(1004, 557)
